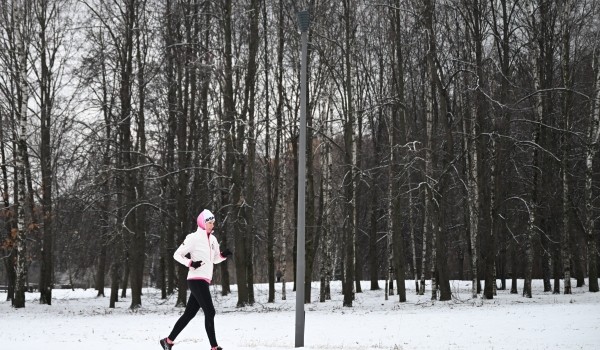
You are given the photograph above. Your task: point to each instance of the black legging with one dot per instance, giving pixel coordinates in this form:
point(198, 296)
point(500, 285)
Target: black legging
point(200, 298)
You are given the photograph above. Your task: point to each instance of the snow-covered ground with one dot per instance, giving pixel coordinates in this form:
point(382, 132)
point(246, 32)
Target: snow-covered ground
point(78, 320)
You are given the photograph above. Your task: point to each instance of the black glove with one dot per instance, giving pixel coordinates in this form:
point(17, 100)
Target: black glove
point(226, 253)
point(196, 264)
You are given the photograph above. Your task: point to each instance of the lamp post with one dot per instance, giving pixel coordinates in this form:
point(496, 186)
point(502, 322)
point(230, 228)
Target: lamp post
point(303, 23)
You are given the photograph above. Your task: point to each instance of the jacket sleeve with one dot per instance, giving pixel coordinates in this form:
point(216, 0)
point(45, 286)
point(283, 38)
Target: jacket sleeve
point(182, 251)
point(217, 257)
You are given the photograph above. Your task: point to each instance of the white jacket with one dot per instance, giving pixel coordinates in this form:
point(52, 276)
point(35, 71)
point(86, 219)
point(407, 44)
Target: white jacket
point(203, 247)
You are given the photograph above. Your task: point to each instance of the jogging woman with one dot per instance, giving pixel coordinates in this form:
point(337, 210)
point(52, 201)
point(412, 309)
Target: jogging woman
point(203, 249)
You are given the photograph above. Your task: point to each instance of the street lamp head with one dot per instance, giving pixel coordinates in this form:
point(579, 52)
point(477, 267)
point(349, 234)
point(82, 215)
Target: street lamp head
point(303, 20)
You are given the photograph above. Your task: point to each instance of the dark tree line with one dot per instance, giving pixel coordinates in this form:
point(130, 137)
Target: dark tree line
point(453, 139)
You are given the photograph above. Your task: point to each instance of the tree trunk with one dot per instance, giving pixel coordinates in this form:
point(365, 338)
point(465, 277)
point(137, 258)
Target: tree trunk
point(271, 168)
point(356, 161)
point(537, 51)
point(514, 254)
point(593, 143)
point(138, 248)
point(435, 102)
point(377, 129)
point(115, 276)
point(168, 240)
point(424, 240)
point(125, 279)
point(566, 111)
point(21, 20)
point(312, 238)
point(285, 224)
point(242, 181)
point(10, 224)
point(502, 35)
point(274, 170)
point(229, 128)
point(413, 244)
point(397, 139)
point(46, 82)
point(327, 199)
point(471, 131)
point(349, 200)
point(529, 235)
point(373, 256)
point(101, 270)
point(250, 101)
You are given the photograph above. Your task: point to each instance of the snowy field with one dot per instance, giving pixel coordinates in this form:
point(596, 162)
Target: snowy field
point(78, 320)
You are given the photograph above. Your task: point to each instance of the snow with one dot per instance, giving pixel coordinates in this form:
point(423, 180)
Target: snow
point(79, 320)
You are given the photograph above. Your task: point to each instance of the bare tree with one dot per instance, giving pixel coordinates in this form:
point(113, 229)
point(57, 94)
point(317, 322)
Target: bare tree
point(273, 167)
point(502, 13)
point(17, 30)
point(541, 16)
point(51, 22)
point(327, 203)
point(436, 107)
point(7, 245)
point(349, 199)
point(397, 132)
point(566, 111)
point(592, 145)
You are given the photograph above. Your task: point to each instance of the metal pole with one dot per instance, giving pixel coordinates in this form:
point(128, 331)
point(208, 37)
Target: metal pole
point(304, 21)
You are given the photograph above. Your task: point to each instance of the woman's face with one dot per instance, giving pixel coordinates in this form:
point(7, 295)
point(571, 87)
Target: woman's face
point(209, 226)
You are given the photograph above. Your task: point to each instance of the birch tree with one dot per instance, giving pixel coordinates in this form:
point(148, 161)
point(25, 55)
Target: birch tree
point(540, 17)
point(397, 132)
point(7, 243)
point(248, 113)
point(476, 26)
point(273, 167)
point(503, 13)
point(228, 122)
point(17, 31)
point(168, 238)
point(471, 132)
point(436, 107)
point(51, 26)
point(566, 112)
point(327, 204)
point(137, 238)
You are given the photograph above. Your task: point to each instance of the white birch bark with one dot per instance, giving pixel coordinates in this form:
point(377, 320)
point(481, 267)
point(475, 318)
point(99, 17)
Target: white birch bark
point(355, 180)
point(412, 237)
point(329, 260)
point(492, 208)
point(326, 268)
point(428, 188)
point(470, 149)
point(529, 251)
point(20, 21)
point(284, 226)
point(390, 214)
point(473, 184)
point(472, 197)
point(538, 112)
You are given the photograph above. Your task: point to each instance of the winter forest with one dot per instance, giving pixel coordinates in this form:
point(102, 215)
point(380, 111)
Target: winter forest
point(447, 140)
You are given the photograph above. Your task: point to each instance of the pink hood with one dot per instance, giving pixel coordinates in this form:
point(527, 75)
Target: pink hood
point(204, 217)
